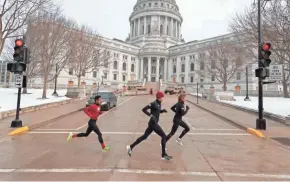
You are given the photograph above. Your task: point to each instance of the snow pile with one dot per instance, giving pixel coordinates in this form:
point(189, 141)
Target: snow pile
point(276, 105)
point(8, 98)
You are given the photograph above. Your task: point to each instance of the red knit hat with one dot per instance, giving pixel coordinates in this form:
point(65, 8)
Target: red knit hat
point(159, 94)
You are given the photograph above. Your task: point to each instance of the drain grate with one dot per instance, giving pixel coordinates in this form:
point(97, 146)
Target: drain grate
point(283, 140)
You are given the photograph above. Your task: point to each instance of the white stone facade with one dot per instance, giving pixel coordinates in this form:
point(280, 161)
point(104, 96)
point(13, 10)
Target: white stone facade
point(155, 49)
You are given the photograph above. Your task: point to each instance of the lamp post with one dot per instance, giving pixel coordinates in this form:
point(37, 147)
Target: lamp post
point(55, 81)
point(247, 86)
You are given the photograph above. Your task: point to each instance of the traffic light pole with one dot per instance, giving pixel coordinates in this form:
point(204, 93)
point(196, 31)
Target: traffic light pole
point(17, 122)
point(260, 122)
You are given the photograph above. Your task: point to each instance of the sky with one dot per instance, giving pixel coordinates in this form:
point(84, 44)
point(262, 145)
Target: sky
point(110, 18)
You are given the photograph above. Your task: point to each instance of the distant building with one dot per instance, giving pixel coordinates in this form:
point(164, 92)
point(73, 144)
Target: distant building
point(6, 78)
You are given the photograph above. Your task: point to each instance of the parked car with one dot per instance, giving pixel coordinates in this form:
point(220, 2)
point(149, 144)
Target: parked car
point(109, 100)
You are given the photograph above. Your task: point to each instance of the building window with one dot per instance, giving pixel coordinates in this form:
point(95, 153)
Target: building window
point(149, 29)
point(183, 68)
point(95, 74)
point(191, 79)
point(161, 29)
point(213, 66)
point(192, 67)
point(238, 76)
point(174, 68)
point(105, 75)
point(124, 78)
point(115, 76)
point(71, 71)
point(212, 78)
point(132, 67)
point(201, 65)
point(115, 65)
point(201, 80)
point(124, 66)
point(149, 4)
point(84, 73)
point(182, 79)
point(106, 63)
point(153, 70)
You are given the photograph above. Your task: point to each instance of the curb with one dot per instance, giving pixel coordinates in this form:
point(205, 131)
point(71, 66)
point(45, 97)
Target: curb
point(19, 131)
point(256, 132)
point(25, 129)
point(249, 130)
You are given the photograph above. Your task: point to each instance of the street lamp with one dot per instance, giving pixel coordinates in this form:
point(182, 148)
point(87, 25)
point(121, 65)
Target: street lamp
point(55, 81)
point(247, 86)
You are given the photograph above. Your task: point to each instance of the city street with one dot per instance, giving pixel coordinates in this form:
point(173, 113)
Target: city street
point(213, 150)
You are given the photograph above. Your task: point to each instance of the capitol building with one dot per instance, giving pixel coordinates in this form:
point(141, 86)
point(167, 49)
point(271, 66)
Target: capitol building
point(155, 52)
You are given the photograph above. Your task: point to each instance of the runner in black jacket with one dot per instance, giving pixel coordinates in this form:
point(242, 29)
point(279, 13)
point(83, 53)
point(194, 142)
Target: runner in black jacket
point(180, 110)
point(153, 125)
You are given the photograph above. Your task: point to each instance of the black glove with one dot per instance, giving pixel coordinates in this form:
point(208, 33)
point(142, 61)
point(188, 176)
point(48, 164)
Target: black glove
point(187, 107)
point(164, 110)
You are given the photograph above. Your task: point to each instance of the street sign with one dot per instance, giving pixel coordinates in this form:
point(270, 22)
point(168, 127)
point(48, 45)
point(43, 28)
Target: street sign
point(19, 80)
point(276, 72)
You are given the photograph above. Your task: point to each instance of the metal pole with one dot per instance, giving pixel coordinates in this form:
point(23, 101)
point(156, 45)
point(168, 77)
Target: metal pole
point(247, 86)
point(17, 122)
point(197, 92)
point(55, 82)
point(260, 122)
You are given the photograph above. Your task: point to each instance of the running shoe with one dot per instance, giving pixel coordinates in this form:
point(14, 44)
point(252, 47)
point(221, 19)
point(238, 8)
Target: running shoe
point(129, 150)
point(166, 157)
point(69, 137)
point(178, 140)
point(106, 148)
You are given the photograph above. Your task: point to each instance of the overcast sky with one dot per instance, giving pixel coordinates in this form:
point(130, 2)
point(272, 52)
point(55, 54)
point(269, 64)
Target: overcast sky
point(202, 18)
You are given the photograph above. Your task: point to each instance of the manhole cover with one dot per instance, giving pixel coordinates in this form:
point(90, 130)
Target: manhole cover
point(283, 140)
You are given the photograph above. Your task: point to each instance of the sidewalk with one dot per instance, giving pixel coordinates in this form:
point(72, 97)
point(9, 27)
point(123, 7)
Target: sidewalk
point(243, 119)
point(38, 118)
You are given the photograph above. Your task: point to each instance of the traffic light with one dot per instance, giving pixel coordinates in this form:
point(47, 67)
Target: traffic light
point(265, 54)
point(264, 61)
point(20, 57)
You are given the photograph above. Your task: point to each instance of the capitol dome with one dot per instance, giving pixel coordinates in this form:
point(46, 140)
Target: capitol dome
point(155, 20)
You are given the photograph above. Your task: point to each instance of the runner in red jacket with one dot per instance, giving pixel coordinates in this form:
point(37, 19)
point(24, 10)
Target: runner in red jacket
point(93, 111)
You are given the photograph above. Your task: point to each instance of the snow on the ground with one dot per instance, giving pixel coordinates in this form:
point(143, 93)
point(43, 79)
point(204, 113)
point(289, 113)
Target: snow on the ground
point(8, 98)
point(276, 105)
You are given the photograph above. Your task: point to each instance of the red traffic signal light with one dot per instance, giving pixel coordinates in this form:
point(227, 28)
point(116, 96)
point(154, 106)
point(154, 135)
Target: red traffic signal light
point(19, 42)
point(266, 46)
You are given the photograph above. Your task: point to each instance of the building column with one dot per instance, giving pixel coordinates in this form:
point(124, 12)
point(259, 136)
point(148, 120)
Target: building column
point(177, 69)
point(171, 27)
point(149, 69)
point(139, 31)
point(176, 32)
point(145, 25)
point(165, 70)
point(142, 68)
point(159, 24)
point(165, 30)
point(157, 69)
point(187, 67)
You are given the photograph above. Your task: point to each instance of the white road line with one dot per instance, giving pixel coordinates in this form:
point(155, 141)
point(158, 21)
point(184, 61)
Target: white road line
point(107, 112)
point(187, 121)
point(197, 129)
point(140, 133)
point(56, 129)
point(278, 176)
point(136, 171)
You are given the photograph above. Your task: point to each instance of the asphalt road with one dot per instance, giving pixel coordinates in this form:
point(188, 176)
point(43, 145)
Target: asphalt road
point(213, 150)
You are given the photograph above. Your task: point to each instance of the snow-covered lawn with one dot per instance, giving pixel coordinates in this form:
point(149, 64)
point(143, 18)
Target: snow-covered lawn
point(8, 98)
point(275, 105)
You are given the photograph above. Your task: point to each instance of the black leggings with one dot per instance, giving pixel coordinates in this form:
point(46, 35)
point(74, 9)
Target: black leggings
point(92, 126)
point(176, 124)
point(157, 129)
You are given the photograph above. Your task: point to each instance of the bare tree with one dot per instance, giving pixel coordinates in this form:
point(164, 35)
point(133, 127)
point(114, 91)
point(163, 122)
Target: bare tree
point(275, 29)
point(223, 61)
point(14, 15)
point(53, 32)
point(88, 54)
